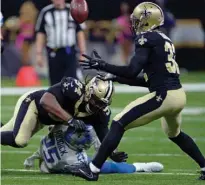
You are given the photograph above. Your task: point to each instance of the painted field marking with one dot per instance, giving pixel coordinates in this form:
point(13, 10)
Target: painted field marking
point(131, 154)
point(115, 110)
point(137, 173)
point(119, 89)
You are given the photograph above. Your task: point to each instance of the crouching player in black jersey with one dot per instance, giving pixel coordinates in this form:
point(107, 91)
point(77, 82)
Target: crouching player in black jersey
point(155, 55)
point(70, 103)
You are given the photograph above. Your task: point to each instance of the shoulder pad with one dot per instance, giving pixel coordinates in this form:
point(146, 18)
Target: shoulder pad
point(72, 88)
point(148, 39)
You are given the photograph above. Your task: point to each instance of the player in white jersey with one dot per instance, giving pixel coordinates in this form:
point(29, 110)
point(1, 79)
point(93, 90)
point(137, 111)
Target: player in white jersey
point(64, 149)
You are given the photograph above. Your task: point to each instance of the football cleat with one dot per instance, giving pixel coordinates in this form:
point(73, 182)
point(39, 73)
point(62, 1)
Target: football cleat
point(148, 167)
point(82, 170)
point(202, 177)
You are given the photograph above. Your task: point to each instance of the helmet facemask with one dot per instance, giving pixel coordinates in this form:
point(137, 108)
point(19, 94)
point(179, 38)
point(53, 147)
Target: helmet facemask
point(96, 94)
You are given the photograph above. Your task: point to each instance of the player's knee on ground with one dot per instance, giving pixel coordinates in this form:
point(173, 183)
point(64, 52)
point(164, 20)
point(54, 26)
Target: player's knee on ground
point(21, 142)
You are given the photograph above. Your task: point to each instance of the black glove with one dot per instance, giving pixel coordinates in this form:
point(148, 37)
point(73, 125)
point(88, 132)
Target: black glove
point(77, 124)
point(119, 156)
point(107, 76)
point(94, 61)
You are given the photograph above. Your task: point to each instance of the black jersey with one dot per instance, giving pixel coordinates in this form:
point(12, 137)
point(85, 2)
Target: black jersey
point(69, 94)
point(161, 70)
point(155, 56)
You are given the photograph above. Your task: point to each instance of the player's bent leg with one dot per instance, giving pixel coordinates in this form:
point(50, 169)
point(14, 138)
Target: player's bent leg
point(171, 126)
point(8, 126)
point(23, 123)
point(26, 123)
point(113, 167)
point(140, 112)
point(143, 110)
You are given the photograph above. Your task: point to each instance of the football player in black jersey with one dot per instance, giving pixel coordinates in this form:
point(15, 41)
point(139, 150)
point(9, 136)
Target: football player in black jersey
point(69, 102)
point(155, 55)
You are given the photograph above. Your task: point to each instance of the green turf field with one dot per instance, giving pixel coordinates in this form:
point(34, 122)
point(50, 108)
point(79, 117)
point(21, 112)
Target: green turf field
point(191, 77)
point(144, 144)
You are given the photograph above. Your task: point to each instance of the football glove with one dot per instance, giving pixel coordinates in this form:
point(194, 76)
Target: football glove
point(77, 124)
point(119, 156)
point(94, 61)
point(107, 76)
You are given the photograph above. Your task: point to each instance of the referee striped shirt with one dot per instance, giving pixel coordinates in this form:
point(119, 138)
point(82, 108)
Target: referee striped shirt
point(59, 26)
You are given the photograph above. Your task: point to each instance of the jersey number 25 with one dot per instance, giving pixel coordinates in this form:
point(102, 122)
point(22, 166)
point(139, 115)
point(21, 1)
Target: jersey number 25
point(171, 65)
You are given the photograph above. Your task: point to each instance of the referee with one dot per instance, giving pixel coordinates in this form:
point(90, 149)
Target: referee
point(61, 34)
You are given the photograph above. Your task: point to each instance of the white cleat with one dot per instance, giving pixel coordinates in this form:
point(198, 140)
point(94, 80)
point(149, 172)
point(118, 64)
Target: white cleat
point(148, 167)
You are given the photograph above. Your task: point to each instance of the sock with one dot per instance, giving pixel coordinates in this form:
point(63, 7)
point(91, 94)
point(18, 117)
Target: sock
point(109, 144)
point(187, 144)
point(7, 138)
point(93, 168)
point(113, 167)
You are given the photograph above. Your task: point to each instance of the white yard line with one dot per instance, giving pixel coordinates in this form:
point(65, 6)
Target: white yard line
point(115, 110)
point(16, 152)
point(19, 170)
point(168, 173)
point(40, 178)
point(119, 89)
point(130, 154)
point(25, 177)
point(186, 111)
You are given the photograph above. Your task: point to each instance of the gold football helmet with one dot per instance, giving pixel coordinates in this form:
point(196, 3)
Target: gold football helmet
point(98, 93)
point(146, 17)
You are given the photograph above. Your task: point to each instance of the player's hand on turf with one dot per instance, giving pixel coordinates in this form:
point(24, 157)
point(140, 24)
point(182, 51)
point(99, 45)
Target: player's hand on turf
point(119, 156)
point(77, 124)
point(94, 61)
point(107, 76)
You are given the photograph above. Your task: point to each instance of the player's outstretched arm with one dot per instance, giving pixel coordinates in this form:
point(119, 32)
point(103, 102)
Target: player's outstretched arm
point(139, 81)
point(30, 161)
point(135, 67)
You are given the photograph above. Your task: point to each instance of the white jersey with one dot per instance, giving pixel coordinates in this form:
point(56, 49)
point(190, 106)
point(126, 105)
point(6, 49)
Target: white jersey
point(56, 151)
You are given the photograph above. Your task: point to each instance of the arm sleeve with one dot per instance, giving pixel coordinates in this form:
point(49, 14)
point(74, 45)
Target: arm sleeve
point(40, 24)
point(101, 130)
point(101, 124)
point(136, 64)
point(139, 81)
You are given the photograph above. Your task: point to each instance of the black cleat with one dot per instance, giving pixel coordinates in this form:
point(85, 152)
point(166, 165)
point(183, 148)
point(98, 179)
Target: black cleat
point(1, 125)
point(82, 170)
point(202, 177)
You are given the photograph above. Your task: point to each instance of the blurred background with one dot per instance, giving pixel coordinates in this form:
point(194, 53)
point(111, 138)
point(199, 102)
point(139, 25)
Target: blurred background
point(107, 30)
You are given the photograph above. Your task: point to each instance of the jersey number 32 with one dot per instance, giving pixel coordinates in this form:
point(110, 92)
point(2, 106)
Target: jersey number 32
point(171, 65)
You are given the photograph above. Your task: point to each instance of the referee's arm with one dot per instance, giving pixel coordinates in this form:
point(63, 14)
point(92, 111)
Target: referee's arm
point(81, 40)
point(40, 39)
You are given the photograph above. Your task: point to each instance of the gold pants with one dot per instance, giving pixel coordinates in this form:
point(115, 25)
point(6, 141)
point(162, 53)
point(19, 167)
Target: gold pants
point(154, 106)
point(24, 122)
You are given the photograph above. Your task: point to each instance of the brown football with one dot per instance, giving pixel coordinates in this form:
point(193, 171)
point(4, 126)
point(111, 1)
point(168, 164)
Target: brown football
point(79, 10)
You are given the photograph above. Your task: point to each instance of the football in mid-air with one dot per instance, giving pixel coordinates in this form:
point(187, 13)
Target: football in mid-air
point(79, 10)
